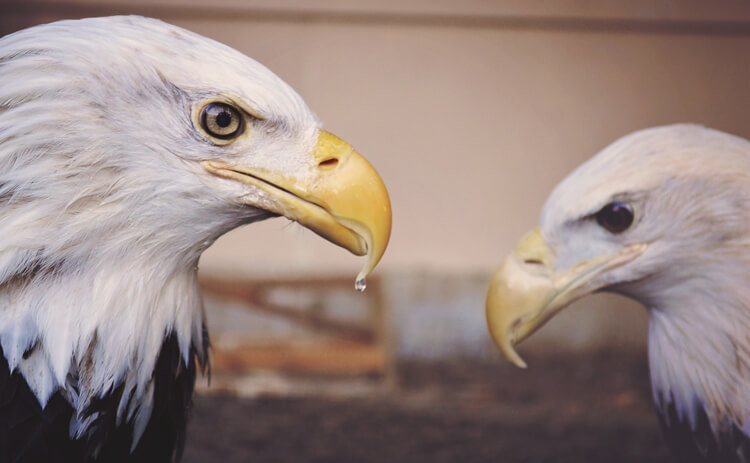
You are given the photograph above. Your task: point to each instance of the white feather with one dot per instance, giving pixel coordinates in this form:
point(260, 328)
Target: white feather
point(105, 208)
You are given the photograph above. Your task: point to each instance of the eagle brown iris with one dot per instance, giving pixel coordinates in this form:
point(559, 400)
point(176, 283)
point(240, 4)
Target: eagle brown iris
point(222, 121)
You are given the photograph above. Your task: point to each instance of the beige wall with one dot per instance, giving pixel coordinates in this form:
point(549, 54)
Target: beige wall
point(472, 111)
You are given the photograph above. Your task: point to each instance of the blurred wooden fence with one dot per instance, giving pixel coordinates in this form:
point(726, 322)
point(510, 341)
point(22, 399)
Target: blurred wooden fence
point(325, 341)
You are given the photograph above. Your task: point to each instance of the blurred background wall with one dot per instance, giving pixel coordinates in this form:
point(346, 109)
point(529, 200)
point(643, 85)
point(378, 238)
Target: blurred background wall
point(471, 111)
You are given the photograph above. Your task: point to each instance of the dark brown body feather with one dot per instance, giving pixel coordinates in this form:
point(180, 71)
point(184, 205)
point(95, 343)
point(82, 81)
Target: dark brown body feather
point(30, 434)
point(701, 444)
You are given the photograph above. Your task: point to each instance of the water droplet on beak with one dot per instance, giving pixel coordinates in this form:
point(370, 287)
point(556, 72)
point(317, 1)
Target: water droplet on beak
point(360, 284)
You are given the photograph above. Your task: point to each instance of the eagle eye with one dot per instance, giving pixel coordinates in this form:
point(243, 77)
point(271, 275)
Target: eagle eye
point(222, 121)
point(615, 217)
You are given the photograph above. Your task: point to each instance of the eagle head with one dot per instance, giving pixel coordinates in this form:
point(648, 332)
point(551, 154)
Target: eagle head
point(659, 216)
point(127, 146)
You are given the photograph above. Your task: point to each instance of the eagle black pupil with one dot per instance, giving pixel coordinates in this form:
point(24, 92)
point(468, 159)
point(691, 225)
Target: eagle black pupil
point(223, 119)
point(615, 217)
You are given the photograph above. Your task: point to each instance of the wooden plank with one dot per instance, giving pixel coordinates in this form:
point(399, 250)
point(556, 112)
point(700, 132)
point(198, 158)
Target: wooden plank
point(327, 357)
point(334, 346)
point(255, 294)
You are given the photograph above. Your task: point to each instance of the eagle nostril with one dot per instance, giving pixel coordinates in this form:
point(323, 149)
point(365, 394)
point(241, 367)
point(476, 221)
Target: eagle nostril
point(533, 262)
point(330, 162)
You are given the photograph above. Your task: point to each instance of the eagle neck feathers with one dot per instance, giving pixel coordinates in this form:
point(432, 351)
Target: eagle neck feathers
point(99, 330)
point(699, 356)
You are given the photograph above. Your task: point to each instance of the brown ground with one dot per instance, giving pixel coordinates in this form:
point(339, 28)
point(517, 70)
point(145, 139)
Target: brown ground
point(575, 408)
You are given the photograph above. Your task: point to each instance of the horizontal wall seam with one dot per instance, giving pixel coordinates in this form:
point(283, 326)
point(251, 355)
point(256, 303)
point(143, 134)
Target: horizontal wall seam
point(377, 18)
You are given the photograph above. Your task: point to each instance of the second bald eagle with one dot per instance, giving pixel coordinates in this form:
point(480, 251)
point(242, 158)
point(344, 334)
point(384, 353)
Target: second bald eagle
point(661, 216)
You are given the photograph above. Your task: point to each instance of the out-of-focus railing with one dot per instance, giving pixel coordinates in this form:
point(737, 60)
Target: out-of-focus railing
point(320, 325)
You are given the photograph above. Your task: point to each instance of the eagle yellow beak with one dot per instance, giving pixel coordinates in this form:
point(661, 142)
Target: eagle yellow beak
point(526, 291)
point(342, 199)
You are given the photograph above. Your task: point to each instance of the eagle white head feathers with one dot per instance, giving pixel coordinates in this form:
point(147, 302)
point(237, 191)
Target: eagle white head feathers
point(660, 216)
point(127, 146)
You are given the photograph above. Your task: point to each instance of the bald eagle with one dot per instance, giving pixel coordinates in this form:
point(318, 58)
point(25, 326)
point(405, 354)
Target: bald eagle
point(127, 146)
point(660, 216)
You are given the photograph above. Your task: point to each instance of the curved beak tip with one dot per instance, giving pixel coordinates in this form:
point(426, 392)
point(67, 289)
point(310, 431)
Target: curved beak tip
point(516, 359)
point(516, 297)
point(503, 337)
point(506, 347)
point(367, 213)
point(357, 197)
